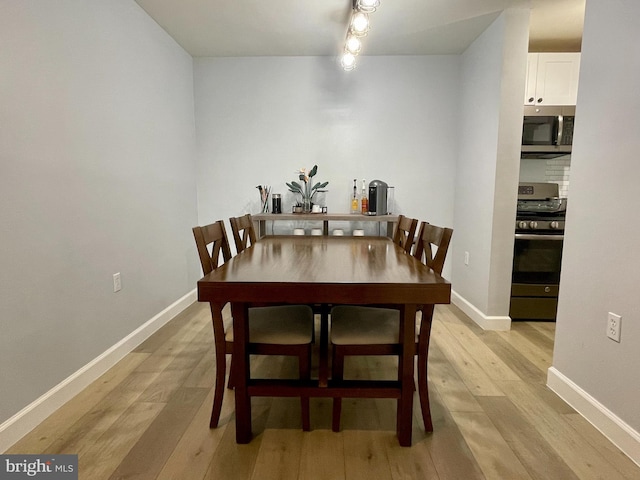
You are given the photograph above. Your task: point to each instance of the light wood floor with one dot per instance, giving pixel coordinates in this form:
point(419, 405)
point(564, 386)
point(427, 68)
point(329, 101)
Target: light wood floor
point(147, 418)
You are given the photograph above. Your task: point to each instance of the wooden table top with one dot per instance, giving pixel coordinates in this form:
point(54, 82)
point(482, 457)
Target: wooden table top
point(296, 269)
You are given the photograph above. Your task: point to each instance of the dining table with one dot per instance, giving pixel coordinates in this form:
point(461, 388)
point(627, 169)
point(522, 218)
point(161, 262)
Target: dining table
point(323, 270)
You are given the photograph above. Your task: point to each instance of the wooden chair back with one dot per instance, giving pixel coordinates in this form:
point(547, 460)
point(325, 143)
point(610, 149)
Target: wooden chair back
point(244, 234)
point(405, 232)
point(431, 236)
point(212, 236)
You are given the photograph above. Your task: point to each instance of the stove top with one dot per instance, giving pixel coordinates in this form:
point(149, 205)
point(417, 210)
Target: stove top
point(551, 206)
point(540, 210)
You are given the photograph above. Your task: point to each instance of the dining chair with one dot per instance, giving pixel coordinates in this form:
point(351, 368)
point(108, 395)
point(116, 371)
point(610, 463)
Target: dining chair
point(405, 232)
point(244, 234)
point(273, 330)
point(359, 330)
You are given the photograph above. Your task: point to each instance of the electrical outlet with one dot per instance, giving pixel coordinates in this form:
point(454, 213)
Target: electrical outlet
point(614, 322)
point(117, 282)
point(466, 258)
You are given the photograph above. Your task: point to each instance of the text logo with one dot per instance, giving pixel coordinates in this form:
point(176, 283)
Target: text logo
point(49, 467)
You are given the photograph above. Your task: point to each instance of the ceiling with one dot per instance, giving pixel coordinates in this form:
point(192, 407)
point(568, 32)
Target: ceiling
point(207, 28)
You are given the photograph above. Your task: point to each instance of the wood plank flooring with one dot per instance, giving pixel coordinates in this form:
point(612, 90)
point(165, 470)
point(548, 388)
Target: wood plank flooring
point(494, 418)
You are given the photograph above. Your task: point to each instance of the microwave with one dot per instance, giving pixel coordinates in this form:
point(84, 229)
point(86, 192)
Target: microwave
point(547, 131)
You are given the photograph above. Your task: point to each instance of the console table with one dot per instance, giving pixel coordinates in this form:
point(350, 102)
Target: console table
point(260, 220)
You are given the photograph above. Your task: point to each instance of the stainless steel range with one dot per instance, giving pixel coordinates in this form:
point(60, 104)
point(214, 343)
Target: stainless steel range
point(539, 234)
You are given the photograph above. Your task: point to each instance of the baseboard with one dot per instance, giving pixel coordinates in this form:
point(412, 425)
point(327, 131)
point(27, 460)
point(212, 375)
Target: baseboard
point(33, 414)
point(621, 435)
point(485, 321)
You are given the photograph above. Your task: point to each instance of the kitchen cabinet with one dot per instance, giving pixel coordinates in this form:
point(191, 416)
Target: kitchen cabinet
point(552, 79)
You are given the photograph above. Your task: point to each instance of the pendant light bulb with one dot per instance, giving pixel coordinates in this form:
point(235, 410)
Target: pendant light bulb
point(367, 6)
point(360, 24)
point(348, 61)
point(353, 45)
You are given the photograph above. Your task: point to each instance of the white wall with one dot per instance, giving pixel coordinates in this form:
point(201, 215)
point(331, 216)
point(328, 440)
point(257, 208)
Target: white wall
point(493, 75)
point(444, 131)
point(393, 118)
point(600, 271)
point(97, 176)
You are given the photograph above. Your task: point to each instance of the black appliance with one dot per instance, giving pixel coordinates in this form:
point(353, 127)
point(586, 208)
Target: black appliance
point(537, 258)
point(547, 132)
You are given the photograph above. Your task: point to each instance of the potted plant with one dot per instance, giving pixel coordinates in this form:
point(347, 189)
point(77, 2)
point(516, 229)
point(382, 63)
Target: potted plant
point(306, 189)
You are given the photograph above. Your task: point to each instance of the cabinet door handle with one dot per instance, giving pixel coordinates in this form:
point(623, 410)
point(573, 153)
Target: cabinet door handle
point(540, 100)
point(531, 99)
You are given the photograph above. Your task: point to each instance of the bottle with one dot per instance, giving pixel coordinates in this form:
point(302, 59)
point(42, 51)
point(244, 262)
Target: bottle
point(355, 206)
point(364, 200)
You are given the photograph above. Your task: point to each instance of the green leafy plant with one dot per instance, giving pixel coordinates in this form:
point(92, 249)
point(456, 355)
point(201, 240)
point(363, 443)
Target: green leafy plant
point(306, 189)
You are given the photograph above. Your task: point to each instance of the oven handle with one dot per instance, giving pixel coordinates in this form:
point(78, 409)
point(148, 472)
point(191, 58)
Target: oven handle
point(530, 236)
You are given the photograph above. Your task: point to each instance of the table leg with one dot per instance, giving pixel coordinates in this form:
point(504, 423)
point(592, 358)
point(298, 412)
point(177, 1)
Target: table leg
point(260, 226)
point(405, 402)
point(323, 368)
point(241, 363)
point(390, 229)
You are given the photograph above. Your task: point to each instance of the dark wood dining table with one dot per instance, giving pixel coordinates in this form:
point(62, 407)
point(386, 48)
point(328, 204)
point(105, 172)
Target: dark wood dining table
point(324, 271)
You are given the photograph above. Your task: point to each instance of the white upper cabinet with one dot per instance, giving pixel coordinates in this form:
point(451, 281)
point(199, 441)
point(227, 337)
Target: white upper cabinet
point(552, 79)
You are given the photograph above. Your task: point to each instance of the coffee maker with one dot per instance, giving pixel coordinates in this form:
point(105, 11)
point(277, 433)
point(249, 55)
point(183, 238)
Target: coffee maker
point(378, 197)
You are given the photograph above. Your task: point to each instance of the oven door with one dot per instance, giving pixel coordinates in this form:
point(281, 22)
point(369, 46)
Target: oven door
point(537, 258)
point(536, 276)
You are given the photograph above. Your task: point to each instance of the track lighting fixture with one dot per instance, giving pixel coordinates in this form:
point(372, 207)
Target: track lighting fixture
point(358, 27)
